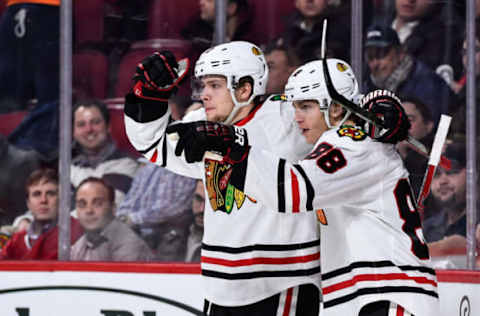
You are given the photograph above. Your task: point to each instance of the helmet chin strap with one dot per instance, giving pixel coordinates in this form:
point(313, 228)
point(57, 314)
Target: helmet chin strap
point(236, 105)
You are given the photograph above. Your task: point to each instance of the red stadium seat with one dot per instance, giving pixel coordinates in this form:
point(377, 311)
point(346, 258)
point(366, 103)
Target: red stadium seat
point(9, 121)
point(89, 18)
point(117, 126)
point(140, 50)
point(167, 17)
point(269, 16)
point(90, 74)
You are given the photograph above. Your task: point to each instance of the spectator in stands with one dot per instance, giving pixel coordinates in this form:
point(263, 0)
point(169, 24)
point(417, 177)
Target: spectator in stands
point(94, 152)
point(105, 238)
point(422, 129)
point(429, 31)
point(447, 200)
point(200, 29)
point(281, 61)
point(303, 29)
point(15, 164)
point(458, 111)
point(29, 53)
point(40, 240)
point(194, 241)
point(394, 69)
point(158, 207)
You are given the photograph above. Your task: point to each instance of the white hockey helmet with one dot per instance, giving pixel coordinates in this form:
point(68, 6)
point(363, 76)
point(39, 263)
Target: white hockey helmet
point(308, 83)
point(235, 60)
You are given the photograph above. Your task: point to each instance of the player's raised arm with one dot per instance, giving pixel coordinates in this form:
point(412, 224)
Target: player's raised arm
point(146, 106)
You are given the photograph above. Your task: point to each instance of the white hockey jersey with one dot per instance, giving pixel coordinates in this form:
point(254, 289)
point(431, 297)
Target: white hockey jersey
point(248, 253)
point(372, 246)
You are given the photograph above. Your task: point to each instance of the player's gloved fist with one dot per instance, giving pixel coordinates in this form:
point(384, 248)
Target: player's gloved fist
point(157, 76)
point(388, 108)
point(196, 138)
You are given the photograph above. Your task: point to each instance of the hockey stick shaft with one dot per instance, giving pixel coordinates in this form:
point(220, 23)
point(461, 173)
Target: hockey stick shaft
point(435, 156)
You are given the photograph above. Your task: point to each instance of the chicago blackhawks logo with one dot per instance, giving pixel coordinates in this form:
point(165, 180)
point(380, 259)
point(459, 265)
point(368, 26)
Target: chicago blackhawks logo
point(222, 194)
point(342, 67)
point(352, 132)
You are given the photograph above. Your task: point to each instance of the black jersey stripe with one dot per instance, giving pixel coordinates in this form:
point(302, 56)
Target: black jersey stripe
point(374, 264)
point(281, 186)
point(155, 144)
point(261, 274)
point(378, 290)
point(310, 190)
point(164, 152)
point(261, 247)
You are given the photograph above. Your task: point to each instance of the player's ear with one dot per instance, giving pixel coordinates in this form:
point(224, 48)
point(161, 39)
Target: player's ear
point(244, 91)
point(336, 112)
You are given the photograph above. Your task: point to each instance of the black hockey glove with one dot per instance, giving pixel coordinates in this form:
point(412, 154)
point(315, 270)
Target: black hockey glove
point(158, 75)
point(388, 108)
point(196, 138)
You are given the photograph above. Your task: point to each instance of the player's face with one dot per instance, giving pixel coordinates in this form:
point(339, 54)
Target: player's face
point(449, 186)
point(198, 204)
point(279, 71)
point(216, 98)
point(42, 200)
point(207, 10)
point(94, 208)
point(310, 119)
point(382, 61)
point(311, 8)
point(419, 127)
point(90, 128)
point(410, 10)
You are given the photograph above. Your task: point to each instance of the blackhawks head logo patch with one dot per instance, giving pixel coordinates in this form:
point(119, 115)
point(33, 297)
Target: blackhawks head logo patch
point(224, 184)
point(353, 132)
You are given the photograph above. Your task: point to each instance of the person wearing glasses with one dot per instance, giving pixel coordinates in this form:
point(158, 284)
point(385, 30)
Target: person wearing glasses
point(391, 68)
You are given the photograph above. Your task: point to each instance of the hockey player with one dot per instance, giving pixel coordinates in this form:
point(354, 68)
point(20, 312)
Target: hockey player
point(254, 261)
point(373, 256)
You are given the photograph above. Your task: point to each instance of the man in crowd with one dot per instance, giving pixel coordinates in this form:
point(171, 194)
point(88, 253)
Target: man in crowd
point(105, 238)
point(392, 68)
point(40, 240)
point(94, 152)
point(194, 241)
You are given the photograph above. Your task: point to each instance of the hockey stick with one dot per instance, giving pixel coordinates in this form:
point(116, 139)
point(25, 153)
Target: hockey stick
point(361, 112)
point(435, 155)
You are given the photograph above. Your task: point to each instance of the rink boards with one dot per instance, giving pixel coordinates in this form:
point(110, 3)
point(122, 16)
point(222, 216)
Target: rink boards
point(131, 289)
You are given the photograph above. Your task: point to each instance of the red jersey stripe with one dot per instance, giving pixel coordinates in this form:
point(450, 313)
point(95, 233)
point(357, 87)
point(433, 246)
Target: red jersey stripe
point(288, 302)
point(154, 156)
point(376, 277)
point(400, 310)
point(249, 117)
point(261, 260)
point(295, 193)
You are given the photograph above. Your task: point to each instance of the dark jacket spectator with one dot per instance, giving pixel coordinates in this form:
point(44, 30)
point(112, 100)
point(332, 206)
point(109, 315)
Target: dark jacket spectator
point(303, 31)
point(429, 30)
point(200, 29)
point(392, 69)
